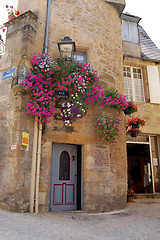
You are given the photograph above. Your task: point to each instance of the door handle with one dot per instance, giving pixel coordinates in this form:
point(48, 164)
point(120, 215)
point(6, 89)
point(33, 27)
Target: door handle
point(75, 175)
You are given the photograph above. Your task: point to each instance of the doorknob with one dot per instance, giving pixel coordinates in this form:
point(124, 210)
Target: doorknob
point(73, 158)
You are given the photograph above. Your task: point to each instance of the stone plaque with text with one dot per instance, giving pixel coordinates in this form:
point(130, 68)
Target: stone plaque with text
point(101, 157)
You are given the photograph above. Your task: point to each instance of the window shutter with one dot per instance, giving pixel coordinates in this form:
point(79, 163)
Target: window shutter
point(133, 32)
point(154, 84)
point(130, 32)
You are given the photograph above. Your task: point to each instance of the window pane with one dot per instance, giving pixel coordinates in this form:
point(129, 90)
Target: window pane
point(64, 166)
point(128, 83)
point(80, 56)
point(138, 85)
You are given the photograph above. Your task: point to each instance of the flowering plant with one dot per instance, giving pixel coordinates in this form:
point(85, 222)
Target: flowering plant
point(131, 193)
point(136, 120)
point(80, 81)
point(133, 132)
point(47, 76)
point(12, 11)
point(132, 107)
point(115, 99)
point(107, 127)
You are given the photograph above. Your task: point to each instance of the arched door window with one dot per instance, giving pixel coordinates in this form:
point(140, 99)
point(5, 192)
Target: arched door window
point(64, 166)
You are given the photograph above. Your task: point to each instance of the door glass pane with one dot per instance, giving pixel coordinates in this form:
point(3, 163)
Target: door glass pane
point(64, 166)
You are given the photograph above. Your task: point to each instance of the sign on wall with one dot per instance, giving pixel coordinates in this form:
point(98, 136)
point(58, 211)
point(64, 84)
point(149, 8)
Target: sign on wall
point(101, 157)
point(8, 73)
point(62, 94)
point(2, 47)
point(25, 138)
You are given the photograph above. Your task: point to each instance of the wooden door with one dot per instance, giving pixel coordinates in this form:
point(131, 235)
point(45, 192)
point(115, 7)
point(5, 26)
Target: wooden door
point(136, 173)
point(64, 177)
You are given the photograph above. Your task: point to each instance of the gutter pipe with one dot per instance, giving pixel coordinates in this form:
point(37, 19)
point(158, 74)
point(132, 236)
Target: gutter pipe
point(47, 27)
point(36, 155)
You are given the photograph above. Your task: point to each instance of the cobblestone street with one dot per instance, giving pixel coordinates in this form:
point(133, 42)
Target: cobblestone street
point(140, 220)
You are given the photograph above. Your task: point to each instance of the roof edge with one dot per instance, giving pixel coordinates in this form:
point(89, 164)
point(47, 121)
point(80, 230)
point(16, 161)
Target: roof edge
point(131, 18)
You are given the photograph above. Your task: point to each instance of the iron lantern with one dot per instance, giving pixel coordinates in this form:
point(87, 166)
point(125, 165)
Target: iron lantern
point(66, 48)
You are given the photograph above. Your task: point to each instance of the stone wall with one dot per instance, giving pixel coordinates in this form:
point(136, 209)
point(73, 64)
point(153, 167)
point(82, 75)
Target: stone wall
point(15, 159)
point(95, 27)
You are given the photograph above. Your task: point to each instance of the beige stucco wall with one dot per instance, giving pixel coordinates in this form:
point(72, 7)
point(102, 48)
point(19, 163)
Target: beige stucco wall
point(95, 27)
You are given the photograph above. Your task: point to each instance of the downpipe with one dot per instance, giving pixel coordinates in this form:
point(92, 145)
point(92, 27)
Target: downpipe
point(36, 154)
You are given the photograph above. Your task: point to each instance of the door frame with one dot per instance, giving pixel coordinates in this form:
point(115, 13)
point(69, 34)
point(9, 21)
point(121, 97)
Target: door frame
point(150, 148)
point(79, 176)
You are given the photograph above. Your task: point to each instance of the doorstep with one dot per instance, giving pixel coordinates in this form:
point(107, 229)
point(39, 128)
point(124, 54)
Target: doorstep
point(147, 195)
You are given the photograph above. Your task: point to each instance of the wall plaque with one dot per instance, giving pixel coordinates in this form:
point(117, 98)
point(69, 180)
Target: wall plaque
point(101, 157)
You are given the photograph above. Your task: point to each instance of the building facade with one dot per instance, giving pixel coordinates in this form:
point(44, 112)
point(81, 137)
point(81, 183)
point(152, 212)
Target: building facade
point(142, 85)
point(92, 185)
point(94, 174)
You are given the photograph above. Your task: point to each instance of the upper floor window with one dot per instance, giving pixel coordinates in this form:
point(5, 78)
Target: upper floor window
point(133, 81)
point(80, 56)
point(130, 31)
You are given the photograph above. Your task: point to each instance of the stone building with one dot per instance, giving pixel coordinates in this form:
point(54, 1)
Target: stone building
point(97, 181)
point(142, 85)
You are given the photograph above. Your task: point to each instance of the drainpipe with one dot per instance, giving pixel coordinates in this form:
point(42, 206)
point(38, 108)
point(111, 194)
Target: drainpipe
point(47, 27)
point(36, 156)
point(33, 169)
point(38, 168)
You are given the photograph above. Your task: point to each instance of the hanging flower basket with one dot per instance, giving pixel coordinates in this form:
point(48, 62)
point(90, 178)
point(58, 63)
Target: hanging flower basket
point(115, 100)
point(135, 122)
point(133, 132)
point(127, 111)
point(135, 125)
point(131, 108)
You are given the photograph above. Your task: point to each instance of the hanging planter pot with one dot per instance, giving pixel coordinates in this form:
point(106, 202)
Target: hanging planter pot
point(127, 111)
point(133, 134)
point(135, 125)
point(10, 17)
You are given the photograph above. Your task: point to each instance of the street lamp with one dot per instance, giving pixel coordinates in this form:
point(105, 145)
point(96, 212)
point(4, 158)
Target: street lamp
point(66, 48)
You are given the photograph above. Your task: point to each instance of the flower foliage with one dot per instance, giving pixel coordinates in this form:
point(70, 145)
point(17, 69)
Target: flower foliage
point(108, 127)
point(133, 131)
point(131, 193)
point(48, 76)
point(12, 11)
point(131, 106)
point(136, 120)
point(39, 82)
point(115, 99)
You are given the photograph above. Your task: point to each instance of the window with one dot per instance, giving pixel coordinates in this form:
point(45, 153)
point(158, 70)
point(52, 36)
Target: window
point(23, 70)
point(133, 82)
point(64, 166)
point(80, 56)
point(130, 32)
